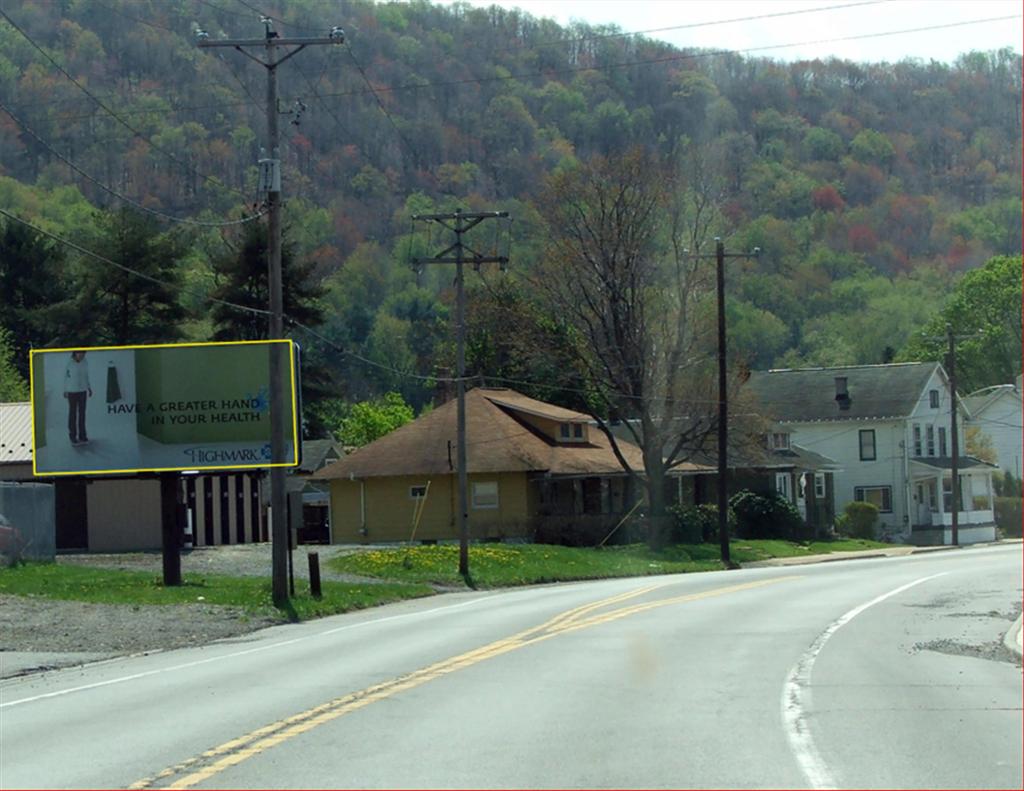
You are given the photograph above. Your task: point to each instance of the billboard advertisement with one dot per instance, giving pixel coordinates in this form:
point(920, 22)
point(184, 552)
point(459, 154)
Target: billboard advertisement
point(188, 406)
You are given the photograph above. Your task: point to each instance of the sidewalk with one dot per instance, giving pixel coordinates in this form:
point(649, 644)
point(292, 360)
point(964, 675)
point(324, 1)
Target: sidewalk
point(894, 551)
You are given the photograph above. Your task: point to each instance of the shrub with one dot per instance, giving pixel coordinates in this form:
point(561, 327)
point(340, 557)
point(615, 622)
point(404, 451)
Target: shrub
point(766, 516)
point(858, 520)
point(1006, 485)
point(694, 524)
point(1009, 514)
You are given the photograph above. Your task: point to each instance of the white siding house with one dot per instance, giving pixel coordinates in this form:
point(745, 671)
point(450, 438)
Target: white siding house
point(887, 427)
point(996, 413)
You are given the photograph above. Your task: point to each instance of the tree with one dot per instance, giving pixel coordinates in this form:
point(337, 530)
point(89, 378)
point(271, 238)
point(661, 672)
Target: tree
point(370, 420)
point(618, 276)
point(12, 385)
point(116, 307)
point(985, 313)
point(242, 277)
point(33, 283)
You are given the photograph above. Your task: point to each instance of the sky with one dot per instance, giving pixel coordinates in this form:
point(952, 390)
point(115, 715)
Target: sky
point(711, 26)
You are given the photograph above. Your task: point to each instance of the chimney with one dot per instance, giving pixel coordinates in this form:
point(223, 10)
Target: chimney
point(842, 394)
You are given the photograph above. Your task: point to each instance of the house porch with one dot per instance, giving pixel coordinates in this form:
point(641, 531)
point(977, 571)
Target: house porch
point(932, 502)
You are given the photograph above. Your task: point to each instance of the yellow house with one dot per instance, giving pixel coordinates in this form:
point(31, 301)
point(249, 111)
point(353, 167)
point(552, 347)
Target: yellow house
point(532, 467)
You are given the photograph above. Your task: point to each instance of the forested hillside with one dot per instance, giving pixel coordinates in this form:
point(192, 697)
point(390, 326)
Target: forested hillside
point(870, 188)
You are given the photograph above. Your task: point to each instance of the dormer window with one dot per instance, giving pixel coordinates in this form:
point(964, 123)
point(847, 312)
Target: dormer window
point(778, 440)
point(571, 432)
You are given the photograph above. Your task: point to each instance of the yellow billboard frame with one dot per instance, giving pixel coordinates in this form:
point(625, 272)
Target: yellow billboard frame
point(295, 403)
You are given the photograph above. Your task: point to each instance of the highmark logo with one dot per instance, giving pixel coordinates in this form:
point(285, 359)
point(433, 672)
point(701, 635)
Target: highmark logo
point(224, 455)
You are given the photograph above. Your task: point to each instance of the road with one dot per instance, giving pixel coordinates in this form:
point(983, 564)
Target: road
point(882, 673)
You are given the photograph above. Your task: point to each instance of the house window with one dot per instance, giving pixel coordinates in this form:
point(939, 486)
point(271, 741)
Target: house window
point(947, 494)
point(819, 486)
point(783, 487)
point(779, 440)
point(563, 431)
point(417, 492)
point(933, 399)
point(917, 439)
point(879, 496)
point(577, 430)
point(485, 494)
point(930, 435)
point(942, 440)
point(867, 444)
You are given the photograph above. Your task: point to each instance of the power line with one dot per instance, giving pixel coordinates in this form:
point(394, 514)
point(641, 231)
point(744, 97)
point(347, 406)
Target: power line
point(669, 58)
point(107, 109)
point(309, 330)
point(688, 26)
point(118, 195)
point(380, 102)
point(128, 269)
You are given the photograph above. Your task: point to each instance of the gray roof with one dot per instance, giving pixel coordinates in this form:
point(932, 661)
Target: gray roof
point(318, 452)
point(794, 457)
point(946, 462)
point(799, 395)
point(980, 400)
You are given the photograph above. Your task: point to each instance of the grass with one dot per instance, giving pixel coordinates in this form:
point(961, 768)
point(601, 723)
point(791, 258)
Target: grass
point(252, 594)
point(765, 549)
point(499, 565)
point(409, 573)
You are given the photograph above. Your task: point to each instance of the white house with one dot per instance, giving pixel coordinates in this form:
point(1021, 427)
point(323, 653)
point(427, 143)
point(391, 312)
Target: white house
point(887, 427)
point(996, 413)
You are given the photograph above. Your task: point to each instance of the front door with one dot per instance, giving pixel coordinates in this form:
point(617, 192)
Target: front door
point(923, 514)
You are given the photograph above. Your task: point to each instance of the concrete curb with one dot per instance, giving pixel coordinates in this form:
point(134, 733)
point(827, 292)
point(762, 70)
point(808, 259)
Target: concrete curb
point(1013, 638)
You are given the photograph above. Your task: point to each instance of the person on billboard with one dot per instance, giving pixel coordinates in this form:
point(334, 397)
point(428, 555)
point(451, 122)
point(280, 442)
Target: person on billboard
point(77, 391)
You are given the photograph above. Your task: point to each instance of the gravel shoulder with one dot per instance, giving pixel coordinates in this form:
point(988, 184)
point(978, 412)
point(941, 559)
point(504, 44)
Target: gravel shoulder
point(37, 633)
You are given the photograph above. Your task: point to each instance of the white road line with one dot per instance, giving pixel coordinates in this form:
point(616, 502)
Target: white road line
point(796, 695)
point(235, 654)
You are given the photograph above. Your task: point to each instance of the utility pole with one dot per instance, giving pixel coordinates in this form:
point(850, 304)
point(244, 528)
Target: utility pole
point(270, 42)
point(723, 397)
point(954, 435)
point(459, 223)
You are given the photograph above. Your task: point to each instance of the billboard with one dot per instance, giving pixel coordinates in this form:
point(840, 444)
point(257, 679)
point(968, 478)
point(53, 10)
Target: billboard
point(168, 407)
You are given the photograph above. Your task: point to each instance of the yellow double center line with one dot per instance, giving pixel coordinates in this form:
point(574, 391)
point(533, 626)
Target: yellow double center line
point(205, 765)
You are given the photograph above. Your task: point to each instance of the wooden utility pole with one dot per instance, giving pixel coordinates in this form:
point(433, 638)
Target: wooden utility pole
point(459, 253)
point(723, 397)
point(954, 435)
point(270, 42)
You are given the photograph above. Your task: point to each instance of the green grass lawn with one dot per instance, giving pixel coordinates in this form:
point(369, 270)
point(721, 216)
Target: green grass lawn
point(498, 565)
point(408, 573)
point(108, 586)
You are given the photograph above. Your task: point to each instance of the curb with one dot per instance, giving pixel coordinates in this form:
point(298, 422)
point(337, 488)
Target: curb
point(1012, 638)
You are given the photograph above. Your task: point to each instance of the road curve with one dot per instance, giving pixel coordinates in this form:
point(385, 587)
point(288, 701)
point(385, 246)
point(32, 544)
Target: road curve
point(881, 673)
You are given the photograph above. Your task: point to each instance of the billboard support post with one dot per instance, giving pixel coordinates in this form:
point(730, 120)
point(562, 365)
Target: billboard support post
point(170, 529)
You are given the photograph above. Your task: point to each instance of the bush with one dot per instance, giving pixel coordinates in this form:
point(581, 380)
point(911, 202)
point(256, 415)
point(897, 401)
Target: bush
point(766, 516)
point(1009, 514)
point(694, 524)
point(1006, 485)
point(858, 520)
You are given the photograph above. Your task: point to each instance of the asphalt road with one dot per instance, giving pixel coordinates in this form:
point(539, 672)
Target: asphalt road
point(886, 673)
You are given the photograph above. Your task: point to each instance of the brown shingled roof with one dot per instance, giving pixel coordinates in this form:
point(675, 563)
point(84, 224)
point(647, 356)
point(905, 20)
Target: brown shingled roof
point(495, 442)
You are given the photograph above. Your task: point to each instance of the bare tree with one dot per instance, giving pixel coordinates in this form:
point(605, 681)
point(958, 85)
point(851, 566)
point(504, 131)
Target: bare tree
point(621, 274)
